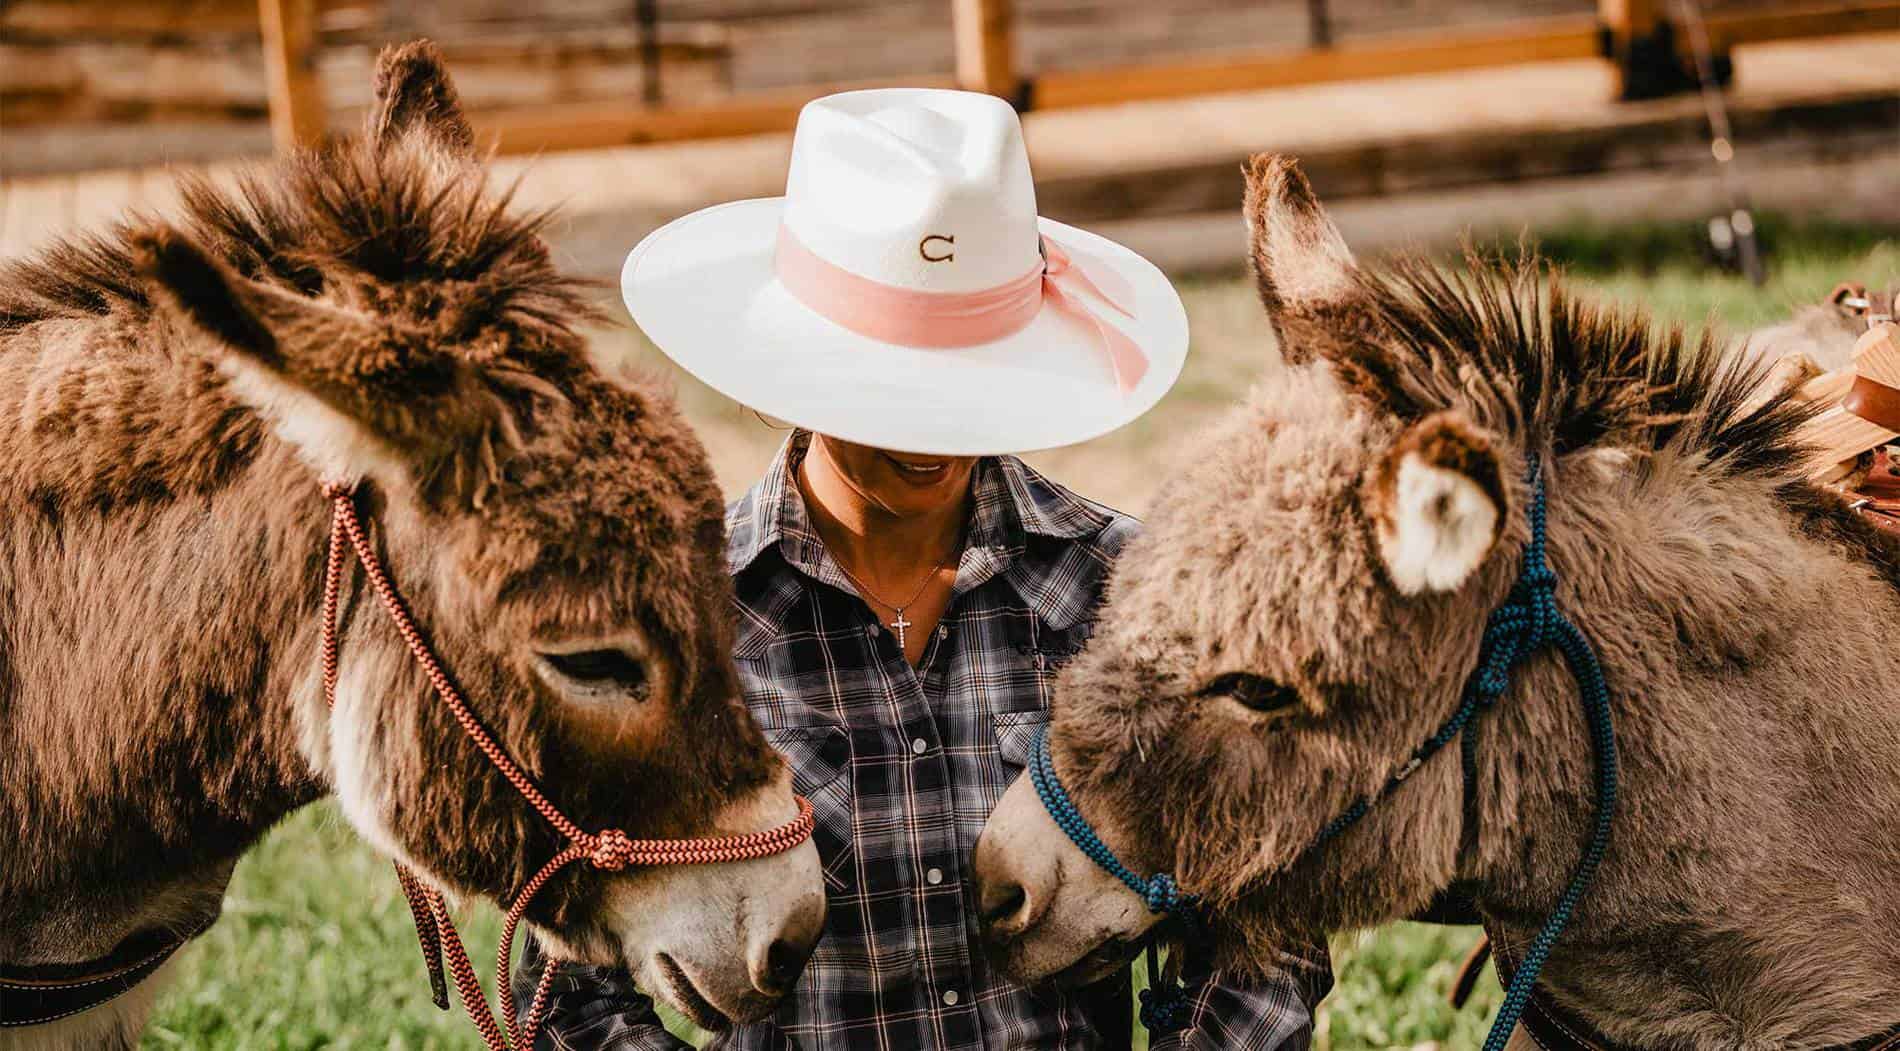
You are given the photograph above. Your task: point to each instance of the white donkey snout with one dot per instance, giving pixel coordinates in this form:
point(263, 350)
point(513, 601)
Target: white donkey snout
point(1046, 907)
point(742, 943)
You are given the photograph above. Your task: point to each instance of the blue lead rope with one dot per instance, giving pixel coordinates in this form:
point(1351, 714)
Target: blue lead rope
point(1159, 890)
point(1527, 622)
point(1534, 621)
point(1164, 1004)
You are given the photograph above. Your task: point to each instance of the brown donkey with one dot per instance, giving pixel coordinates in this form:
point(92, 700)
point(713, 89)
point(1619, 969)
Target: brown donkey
point(170, 398)
point(1306, 606)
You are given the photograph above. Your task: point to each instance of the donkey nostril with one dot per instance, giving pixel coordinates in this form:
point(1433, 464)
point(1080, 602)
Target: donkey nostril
point(777, 955)
point(778, 969)
point(783, 962)
point(1005, 907)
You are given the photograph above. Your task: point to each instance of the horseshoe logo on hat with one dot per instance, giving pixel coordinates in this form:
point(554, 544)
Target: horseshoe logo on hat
point(924, 249)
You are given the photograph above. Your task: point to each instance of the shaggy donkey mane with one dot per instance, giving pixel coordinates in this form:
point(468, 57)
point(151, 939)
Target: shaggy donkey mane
point(1506, 341)
point(477, 322)
point(1549, 370)
point(394, 217)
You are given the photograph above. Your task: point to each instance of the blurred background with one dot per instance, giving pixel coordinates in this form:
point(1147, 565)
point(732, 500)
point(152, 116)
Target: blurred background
point(1721, 162)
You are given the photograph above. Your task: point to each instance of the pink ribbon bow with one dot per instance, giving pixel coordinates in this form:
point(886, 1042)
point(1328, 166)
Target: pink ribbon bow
point(1063, 275)
point(937, 320)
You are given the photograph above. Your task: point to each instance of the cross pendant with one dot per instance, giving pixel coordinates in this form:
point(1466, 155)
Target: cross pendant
point(898, 626)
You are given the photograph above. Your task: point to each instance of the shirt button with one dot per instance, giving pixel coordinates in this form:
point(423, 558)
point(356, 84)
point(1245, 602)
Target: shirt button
point(943, 633)
point(920, 746)
point(933, 877)
point(950, 998)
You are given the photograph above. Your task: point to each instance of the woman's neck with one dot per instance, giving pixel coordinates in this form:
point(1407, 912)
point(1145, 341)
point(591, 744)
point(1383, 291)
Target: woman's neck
point(873, 543)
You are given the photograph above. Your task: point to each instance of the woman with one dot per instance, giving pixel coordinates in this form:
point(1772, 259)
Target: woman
point(906, 590)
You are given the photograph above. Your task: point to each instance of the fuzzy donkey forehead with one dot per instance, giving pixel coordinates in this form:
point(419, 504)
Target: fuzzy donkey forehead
point(1263, 504)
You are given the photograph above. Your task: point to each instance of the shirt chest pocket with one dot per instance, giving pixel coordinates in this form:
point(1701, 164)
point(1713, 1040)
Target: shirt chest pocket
point(1016, 734)
point(820, 758)
point(1045, 651)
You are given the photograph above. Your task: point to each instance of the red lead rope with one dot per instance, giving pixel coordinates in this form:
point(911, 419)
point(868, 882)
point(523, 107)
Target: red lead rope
point(609, 850)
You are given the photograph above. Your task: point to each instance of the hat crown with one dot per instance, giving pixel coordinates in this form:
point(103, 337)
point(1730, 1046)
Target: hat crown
point(921, 189)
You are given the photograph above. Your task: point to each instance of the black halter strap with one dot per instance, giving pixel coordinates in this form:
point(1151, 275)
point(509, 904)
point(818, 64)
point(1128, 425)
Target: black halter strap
point(37, 995)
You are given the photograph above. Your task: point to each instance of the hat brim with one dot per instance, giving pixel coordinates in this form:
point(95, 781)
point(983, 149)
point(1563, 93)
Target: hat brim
point(703, 290)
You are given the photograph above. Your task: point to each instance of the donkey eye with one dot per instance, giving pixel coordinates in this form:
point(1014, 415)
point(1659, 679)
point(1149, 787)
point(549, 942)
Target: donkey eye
point(599, 670)
point(1251, 691)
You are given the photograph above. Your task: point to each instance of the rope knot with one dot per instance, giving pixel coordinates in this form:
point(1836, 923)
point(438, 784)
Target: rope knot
point(1164, 1010)
point(1534, 596)
point(335, 490)
point(1161, 893)
point(612, 851)
point(1526, 622)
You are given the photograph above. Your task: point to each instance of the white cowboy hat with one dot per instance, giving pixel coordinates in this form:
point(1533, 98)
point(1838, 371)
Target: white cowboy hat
point(903, 294)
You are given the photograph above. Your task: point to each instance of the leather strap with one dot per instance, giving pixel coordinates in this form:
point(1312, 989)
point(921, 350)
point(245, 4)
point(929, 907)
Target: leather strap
point(1850, 298)
point(1874, 402)
point(1553, 1030)
point(1466, 980)
point(42, 994)
point(1550, 1027)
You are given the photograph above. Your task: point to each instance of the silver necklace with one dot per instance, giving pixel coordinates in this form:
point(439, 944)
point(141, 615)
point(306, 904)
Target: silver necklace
point(899, 624)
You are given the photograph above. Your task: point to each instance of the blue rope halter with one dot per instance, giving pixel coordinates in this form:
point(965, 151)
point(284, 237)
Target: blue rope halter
point(1527, 622)
point(1164, 1003)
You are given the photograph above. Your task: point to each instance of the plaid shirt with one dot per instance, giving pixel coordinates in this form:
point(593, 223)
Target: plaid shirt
point(903, 766)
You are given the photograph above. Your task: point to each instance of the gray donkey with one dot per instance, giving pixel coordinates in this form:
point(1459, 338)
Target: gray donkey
point(1307, 603)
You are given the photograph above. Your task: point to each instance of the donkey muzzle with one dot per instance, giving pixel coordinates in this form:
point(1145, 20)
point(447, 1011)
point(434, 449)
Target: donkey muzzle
point(1045, 906)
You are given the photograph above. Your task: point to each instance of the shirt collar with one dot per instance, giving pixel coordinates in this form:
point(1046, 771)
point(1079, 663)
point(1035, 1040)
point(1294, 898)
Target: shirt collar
point(1012, 503)
point(772, 514)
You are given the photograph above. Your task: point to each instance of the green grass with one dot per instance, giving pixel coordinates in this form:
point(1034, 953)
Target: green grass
point(315, 949)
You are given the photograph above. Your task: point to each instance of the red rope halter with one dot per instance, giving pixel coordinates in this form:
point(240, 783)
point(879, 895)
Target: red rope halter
point(609, 850)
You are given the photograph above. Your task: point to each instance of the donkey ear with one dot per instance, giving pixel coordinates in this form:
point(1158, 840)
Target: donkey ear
point(1437, 504)
point(262, 335)
point(1299, 260)
point(414, 94)
point(208, 294)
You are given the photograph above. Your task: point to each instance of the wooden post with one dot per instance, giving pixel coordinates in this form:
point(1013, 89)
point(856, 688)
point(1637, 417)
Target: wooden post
point(290, 62)
point(986, 32)
point(1639, 39)
point(1627, 25)
point(1319, 24)
point(646, 15)
point(1628, 19)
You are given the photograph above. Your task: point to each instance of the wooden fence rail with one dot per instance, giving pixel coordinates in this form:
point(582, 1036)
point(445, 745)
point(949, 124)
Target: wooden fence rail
point(290, 61)
point(1639, 37)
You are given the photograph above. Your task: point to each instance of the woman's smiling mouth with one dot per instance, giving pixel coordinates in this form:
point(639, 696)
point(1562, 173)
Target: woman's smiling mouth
point(930, 470)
